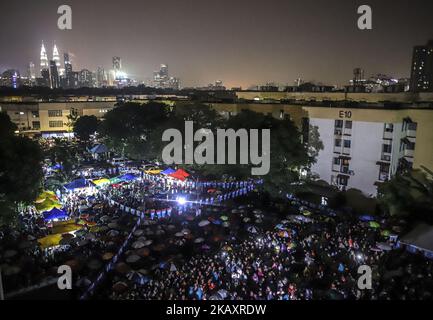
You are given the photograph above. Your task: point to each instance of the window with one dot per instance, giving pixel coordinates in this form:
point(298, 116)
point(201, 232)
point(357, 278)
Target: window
point(56, 124)
point(348, 125)
point(55, 113)
point(336, 161)
point(342, 180)
point(36, 125)
point(339, 123)
point(412, 126)
point(386, 148)
point(338, 142)
point(389, 127)
point(347, 143)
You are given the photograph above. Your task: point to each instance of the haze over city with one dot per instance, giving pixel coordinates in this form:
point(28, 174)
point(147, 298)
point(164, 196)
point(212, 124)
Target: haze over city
point(242, 43)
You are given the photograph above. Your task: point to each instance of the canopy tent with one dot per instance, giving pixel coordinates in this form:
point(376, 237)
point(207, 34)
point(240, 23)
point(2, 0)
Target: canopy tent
point(101, 182)
point(46, 195)
point(78, 184)
point(179, 174)
point(168, 171)
point(128, 177)
point(99, 148)
point(54, 213)
point(421, 238)
point(47, 205)
point(153, 171)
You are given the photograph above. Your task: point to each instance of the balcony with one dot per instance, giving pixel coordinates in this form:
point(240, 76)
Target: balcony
point(383, 176)
point(347, 132)
point(346, 150)
point(336, 167)
point(337, 149)
point(408, 153)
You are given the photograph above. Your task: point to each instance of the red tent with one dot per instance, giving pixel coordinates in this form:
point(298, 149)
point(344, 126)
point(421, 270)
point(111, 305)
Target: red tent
point(180, 174)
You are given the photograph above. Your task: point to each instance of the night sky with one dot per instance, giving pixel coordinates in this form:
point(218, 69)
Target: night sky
point(240, 42)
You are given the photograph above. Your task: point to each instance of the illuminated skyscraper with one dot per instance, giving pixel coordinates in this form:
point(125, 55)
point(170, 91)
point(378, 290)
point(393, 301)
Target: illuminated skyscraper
point(68, 75)
point(56, 58)
point(117, 64)
point(31, 71)
point(54, 75)
point(44, 58)
point(422, 68)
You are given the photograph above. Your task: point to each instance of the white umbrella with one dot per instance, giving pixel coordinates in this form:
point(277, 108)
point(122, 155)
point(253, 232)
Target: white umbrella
point(257, 211)
point(179, 234)
point(147, 242)
point(203, 223)
point(198, 240)
point(138, 232)
point(138, 245)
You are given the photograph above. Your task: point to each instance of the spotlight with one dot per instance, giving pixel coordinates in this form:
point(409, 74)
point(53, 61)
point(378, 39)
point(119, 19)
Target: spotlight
point(181, 200)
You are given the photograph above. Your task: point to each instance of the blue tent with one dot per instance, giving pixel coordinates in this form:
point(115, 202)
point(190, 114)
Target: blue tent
point(77, 184)
point(57, 166)
point(55, 214)
point(99, 148)
point(168, 171)
point(128, 177)
point(366, 218)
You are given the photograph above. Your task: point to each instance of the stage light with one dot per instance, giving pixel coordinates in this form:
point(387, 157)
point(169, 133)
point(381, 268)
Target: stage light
point(181, 200)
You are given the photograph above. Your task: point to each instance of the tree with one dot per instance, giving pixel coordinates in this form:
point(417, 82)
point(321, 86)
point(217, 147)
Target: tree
point(7, 127)
point(129, 128)
point(85, 126)
point(288, 154)
point(408, 195)
point(65, 154)
point(20, 171)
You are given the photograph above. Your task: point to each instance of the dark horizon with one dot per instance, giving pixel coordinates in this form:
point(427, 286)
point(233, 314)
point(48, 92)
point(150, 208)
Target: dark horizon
point(241, 43)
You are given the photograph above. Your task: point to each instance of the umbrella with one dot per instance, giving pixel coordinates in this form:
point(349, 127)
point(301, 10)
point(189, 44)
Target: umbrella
point(205, 247)
point(186, 231)
point(138, 245)
point(198, 240)
point(374, 224)
point(306, 213)
point(133, 258)
point(94, 264)
point(143, 252)
point(138, 232)
point(178, 234)
point(252, 229)
point(259, 221)
point(215, 297)
point(147, 242)
point(384, 246)
point(203, 223)
point(217, 222)
point(283, 234)
point(83, 282)
point(120, 287)
point(385, 233)
point(257, 211)
point(122, 267)
point(30, 238)
point(246, 220)
point(113, 233)
point(235, 211)
point(226, 224)
point(224, 218)
point(107, 256)
point(137, 278)
point(173, 267)
point(366, 218)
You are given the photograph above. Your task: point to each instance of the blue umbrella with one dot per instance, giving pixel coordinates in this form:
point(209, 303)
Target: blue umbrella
point(366, 218)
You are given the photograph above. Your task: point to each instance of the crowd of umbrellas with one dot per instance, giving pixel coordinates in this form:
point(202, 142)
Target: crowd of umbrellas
point(233, 250)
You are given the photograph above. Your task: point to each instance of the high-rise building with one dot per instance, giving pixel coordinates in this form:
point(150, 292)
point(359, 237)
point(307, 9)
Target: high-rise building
point(101, 77)
point(54, 75)
point(10, 78)
point(44, 58)
point(117, 64)
point(31, 73)
point(56, 58)
point(86, 78)
point(161, 79)
point(68, 76)
point(422, 68)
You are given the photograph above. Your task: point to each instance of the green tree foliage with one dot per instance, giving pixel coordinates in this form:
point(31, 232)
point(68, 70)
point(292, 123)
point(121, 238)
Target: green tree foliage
point(20, 171)
point(130, 128)
point(408, 195)
point(7, 127)
point(66, 155)
point(85, 126)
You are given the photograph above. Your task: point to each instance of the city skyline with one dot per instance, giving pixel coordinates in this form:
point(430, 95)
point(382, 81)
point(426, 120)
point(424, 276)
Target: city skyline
point(226, 45)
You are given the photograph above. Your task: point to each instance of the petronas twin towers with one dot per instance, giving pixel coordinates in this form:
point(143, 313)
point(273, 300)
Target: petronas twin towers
point(44, 57)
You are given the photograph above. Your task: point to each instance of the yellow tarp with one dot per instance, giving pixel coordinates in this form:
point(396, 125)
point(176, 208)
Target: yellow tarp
point(51, 240)
point(153, 171)
point(100, 182)
point(47, 205)
point(65, 226)
point(46, 195)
